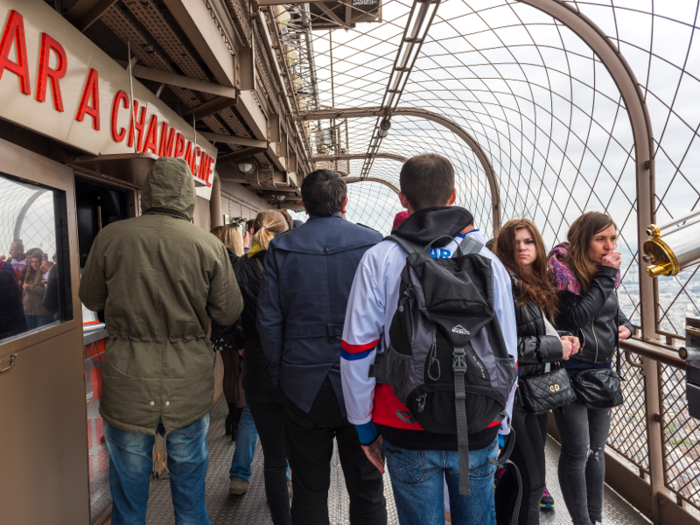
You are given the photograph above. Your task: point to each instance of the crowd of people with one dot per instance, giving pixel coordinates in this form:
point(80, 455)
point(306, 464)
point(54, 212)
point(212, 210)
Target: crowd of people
point(426, 352)
point(24, 278)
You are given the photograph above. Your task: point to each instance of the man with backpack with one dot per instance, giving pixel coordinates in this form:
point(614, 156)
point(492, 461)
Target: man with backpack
point(429, 354)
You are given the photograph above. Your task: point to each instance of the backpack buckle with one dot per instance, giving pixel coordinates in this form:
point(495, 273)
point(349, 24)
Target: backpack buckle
point(459, 360)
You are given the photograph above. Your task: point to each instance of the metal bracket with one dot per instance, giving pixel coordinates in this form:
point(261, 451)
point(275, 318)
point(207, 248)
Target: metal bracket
point(13, 357)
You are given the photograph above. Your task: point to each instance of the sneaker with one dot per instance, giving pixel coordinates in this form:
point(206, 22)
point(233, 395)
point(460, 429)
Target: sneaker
point(238, 486)
point(547, 501)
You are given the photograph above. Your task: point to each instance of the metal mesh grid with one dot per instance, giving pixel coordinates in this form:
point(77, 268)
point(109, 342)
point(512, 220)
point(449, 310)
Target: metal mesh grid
point(628, 429)
point(37, 228)
point(372, 204)
point(681, 438)
point(660, 41)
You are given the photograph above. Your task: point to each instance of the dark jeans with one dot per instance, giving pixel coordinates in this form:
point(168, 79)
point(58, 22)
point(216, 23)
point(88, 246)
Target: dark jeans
point(310, 448)
point(528, 456)
point(266, 409)
point(583, 432)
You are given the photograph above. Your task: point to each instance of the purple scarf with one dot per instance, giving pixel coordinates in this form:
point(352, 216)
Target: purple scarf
point(565, 277)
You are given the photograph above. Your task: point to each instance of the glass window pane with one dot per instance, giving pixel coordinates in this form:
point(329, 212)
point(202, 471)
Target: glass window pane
point(34, 269)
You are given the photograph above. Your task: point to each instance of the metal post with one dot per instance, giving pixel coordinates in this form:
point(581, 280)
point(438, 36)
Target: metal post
point(131, 96)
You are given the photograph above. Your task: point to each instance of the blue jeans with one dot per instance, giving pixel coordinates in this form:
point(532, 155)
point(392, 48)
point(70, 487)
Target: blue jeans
point(246, 439)
point(417, 479)
point(131, 462)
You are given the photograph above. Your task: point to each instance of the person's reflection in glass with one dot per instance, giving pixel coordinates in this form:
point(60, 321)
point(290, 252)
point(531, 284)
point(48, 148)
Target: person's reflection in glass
point(33, 291)
point(12, 320)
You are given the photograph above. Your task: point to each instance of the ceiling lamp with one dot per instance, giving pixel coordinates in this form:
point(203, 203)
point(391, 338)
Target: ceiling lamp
point(246, 167)
point(384, 128)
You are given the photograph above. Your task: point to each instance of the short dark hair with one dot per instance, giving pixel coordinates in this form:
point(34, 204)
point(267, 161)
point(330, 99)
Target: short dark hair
point(427, 181)
point(323, 192)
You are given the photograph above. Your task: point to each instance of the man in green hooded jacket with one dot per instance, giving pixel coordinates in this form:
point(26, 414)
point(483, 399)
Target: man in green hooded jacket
point(159, 279)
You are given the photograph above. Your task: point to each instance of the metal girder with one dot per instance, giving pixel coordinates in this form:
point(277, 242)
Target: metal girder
point(376, 111)
point(360, 156)
point(351, 180)
point(238, 141)
point(209, 108)
point(638, 113)
point(85, 12)
point(240, 154)
point(171, 79)
point(282, 2)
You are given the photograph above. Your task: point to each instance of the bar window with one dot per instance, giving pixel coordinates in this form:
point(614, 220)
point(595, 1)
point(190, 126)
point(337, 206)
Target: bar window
point(34, 262)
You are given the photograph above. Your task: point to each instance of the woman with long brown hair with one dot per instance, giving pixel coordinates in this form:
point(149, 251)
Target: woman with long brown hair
point(541, 348)
point(225, 339)
point(33, 291)
point(587, 273)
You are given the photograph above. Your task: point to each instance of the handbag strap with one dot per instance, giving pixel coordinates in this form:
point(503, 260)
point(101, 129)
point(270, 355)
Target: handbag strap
point(617, 336)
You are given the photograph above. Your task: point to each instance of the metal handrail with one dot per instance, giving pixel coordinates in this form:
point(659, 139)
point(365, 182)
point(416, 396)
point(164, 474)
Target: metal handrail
point(650, 351)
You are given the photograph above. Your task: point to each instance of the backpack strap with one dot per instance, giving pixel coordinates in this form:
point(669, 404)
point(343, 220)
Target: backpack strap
point(459, 367)
point(407, 246)
point(469, 245)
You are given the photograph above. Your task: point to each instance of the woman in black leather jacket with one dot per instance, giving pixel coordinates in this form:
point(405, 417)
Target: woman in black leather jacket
point(586, 271)
point(520, 248)
point(263, 399)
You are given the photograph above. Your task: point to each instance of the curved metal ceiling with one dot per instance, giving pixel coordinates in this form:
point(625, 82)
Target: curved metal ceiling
point(561, 95)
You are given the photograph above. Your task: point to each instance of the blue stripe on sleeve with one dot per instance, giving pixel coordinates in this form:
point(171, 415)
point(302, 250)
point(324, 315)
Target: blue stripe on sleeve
point(353, 357)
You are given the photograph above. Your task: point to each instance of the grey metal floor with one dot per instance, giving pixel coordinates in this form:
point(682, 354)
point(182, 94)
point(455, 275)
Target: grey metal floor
point(251, 508)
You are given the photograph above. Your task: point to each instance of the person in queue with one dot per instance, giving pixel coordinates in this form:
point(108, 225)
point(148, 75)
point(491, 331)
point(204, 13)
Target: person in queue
point(159, 279)
point(18, 260)
point(520, 248)
point(224, 338)
point(33, 291)
point(46, 266)
point(248, 235)
point(419, 462)
point(301, 310)
point(263, 399)
point(587, 272)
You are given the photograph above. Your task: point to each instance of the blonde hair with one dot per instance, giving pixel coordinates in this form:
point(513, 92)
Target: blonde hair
point(267, 226)
point(231, 236)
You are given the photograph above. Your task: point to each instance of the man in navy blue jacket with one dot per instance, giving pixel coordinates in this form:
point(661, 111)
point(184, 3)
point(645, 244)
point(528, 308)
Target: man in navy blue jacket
point(301, 309)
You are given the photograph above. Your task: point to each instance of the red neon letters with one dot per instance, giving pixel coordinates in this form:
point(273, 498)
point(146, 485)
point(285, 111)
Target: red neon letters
point(120, 97)
point(91, 91)
point(48, 44)
point(14, 33)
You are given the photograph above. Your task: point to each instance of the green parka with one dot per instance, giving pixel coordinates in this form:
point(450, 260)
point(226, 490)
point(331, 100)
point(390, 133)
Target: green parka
point(159, 279)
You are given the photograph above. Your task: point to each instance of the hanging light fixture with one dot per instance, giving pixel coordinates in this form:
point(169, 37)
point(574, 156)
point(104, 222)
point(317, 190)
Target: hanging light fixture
point(384, 128)
point(246, 167)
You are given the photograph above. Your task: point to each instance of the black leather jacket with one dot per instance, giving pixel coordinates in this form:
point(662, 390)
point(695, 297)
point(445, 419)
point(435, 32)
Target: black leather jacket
point(249, 274)
point(535, 348)
point(593, 317)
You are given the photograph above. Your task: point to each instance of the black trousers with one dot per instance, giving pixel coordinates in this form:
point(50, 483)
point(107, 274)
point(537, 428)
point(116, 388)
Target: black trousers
point(266, 409)
point(310, 448)
point(528, 455)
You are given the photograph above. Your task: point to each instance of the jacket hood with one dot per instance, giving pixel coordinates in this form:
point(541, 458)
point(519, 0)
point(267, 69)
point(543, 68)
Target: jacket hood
point(169, 184)
point(426, 225)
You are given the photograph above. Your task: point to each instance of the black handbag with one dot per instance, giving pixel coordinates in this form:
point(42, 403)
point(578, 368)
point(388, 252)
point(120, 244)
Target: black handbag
point(600, 387)
point(544, 392)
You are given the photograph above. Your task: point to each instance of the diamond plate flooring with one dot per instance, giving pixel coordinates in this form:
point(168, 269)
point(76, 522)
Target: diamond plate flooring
point(251, 508)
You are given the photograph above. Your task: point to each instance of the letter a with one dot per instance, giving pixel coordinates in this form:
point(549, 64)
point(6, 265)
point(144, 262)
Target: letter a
point(91, 90)
point(14, 32)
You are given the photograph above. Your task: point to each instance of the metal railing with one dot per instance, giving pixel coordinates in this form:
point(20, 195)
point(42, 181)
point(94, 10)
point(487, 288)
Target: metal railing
point(655, 437)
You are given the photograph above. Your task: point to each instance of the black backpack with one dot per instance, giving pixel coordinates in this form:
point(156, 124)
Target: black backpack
point(447, 361)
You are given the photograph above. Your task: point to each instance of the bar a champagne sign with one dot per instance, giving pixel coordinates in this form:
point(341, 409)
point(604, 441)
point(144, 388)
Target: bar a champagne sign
point(55, 81)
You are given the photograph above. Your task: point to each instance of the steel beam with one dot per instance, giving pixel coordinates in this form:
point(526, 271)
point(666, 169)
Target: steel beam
point(351, 180)
point(209, 108)
point(359, 156)
point(202, 30)
point(638, 113)
point(171, 79)
point(337, 113)
point(84, 13)
point(238, 141)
